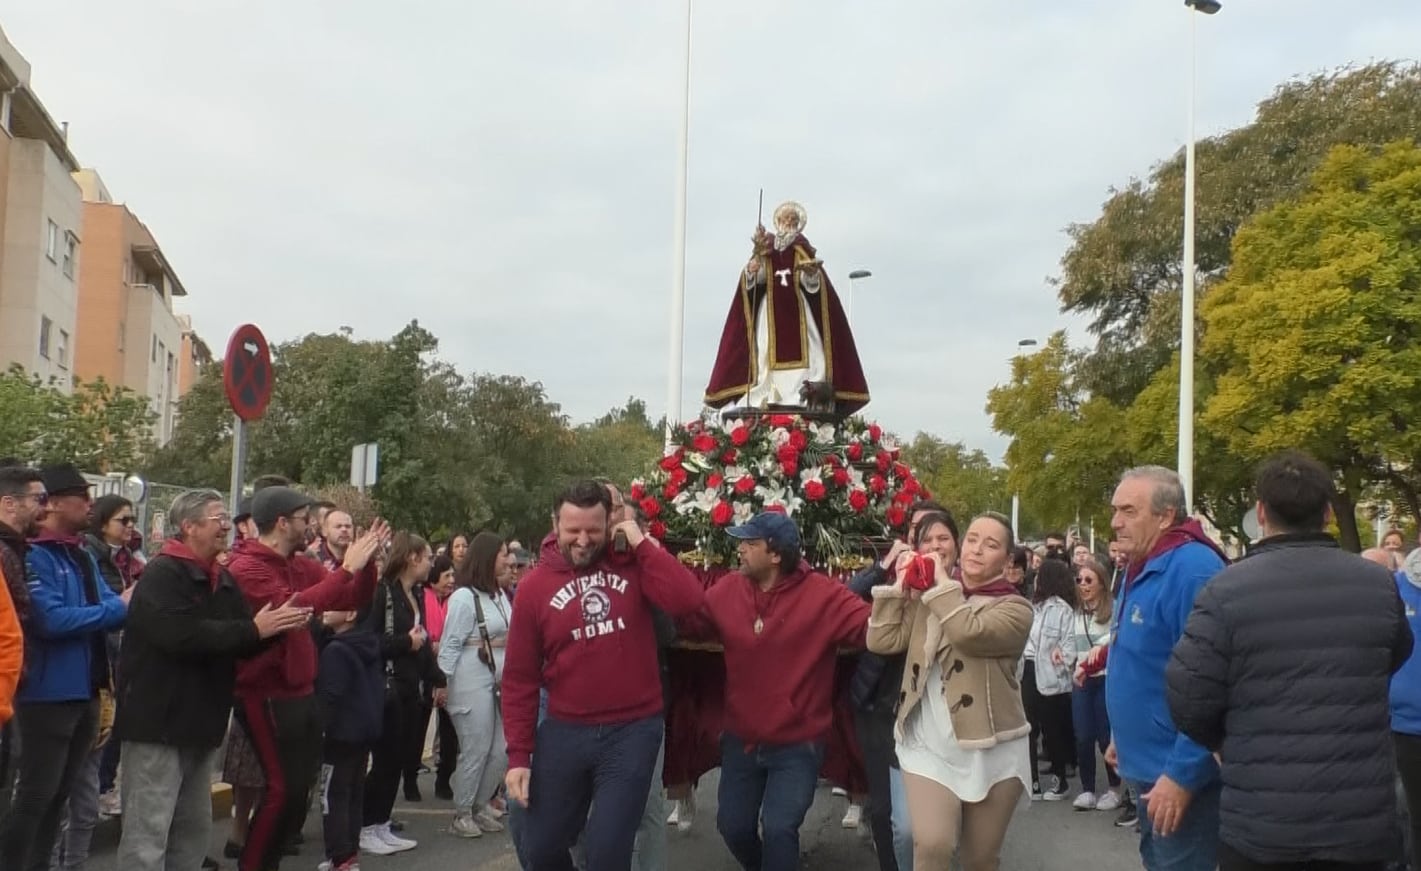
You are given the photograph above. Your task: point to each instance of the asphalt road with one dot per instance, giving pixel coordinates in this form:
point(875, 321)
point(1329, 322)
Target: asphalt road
point(1050, 836)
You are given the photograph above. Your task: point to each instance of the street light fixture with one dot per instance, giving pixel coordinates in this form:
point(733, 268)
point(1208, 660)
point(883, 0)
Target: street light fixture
point(853, 279)
point(1186, 320)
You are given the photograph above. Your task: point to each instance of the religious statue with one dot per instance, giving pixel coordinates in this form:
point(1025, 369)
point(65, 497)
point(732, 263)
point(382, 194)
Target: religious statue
point(786, 337)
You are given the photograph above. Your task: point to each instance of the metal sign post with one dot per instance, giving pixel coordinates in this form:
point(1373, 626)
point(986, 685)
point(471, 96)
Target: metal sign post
point(247, 379)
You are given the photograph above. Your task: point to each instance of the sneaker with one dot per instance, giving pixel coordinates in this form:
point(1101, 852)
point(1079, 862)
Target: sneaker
point(351, 864)
point(684, 815)
point(675, 817)
point(400, 844)
point(466, 827)
point(1108, 802)
point(498, 807)
point(1059, 791)
point(1084, 802)
point(487, 821)
point(854, 817)
point(372, 843)
point(110, 805)
point(324, 866)
point(839, 790)
point(1036, 792)
point(1128, 815)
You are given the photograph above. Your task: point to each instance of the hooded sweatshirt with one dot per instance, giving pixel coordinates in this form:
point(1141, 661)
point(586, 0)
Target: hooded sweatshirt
point(286, 669)
point(1155, 602)
point(587, 635)
point(351, 687)
point(779, 683)
point(1406, 683)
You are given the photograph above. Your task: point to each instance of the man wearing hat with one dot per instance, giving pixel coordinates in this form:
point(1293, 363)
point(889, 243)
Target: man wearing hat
point(276, 688)
point(782, 626)
point(58, 708)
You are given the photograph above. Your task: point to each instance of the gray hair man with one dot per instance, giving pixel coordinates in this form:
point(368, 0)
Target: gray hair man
point(1169, 559)
point(187, 626)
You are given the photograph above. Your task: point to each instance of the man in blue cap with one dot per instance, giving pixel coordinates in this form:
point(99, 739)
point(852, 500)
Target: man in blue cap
point(782, 626)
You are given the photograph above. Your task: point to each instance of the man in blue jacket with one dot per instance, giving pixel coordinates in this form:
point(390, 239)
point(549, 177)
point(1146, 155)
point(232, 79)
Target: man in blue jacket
point(1170, 560)
point(58, 707)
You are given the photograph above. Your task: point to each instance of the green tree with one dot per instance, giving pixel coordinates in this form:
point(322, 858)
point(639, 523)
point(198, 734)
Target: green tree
point(1312, 341)
point(620, 445)
point(964, 480)
point(97, 426)
point(199, 454)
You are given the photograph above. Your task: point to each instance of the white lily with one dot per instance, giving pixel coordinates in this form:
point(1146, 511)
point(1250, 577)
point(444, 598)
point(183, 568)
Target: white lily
point(705, 500)
point(823, 433)
point(743, 512)
point(779, 437)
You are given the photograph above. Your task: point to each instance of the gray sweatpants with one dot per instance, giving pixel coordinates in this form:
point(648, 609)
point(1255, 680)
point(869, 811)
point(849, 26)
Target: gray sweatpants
point(167, 807)
point(483, 754)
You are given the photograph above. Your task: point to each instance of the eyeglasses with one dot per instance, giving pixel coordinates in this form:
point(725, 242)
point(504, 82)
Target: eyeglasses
point(224, 519)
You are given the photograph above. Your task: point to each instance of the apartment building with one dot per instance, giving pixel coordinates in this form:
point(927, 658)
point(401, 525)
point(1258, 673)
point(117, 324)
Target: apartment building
point(128, 333)
point(40, 230)
point(195, 358)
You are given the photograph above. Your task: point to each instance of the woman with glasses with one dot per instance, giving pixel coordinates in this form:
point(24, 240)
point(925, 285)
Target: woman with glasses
point(1092, 637)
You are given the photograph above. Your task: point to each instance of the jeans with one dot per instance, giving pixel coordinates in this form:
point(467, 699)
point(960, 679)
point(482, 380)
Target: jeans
point(649, 854)
point(517, 813)
point(765, 791)
point(902, 826)
point(1194, 846)
point(81, 815)
point(577, 767)
point(57, 738)
point(167, 807)
point(1092, 731)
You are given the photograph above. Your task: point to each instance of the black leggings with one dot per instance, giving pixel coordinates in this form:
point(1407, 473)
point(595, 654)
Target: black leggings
point(387, 758)
point(1050, 719)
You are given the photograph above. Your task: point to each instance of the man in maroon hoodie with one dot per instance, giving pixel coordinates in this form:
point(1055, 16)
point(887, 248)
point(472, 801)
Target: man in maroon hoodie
point(583, 629)
point(276, 688)
point(782, 626)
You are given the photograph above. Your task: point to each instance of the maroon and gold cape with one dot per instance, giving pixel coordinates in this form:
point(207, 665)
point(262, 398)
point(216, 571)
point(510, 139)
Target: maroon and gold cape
point(736, 361)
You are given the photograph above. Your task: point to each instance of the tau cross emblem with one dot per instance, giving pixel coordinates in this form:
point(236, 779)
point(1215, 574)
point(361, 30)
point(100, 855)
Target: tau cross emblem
point(783, 276)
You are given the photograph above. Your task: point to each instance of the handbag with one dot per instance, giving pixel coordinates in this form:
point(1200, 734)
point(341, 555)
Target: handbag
point(486, 650)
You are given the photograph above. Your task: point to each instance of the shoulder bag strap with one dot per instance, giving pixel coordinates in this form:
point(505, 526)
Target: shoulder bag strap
point(485, 641)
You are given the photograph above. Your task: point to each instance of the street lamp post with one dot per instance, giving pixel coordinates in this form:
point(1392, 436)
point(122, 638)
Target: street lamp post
point(853, 280)
point(678, 268)
point(1186, 320)
point(1021, 346)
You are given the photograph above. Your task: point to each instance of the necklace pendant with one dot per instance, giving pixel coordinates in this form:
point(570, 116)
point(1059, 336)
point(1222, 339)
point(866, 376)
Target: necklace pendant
point(759, 625)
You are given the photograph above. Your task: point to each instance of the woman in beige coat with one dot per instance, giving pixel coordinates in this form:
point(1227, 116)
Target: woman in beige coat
point(961, 729)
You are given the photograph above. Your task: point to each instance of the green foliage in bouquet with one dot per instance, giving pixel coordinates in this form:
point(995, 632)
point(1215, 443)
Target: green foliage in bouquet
point(843, 484)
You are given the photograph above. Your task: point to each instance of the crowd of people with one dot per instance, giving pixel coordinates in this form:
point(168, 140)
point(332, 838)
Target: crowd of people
point(1253, 715)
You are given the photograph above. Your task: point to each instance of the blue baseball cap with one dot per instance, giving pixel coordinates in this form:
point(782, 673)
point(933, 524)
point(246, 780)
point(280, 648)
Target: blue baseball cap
point(771, 526)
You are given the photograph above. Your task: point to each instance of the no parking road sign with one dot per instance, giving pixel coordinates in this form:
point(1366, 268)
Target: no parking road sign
point(246, 373)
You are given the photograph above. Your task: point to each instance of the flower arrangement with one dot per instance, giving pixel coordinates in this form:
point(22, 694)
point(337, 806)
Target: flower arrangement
point(843, 484)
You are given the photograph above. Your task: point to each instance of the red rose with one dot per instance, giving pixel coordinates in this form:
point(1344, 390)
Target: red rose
point(832, 461)
point(637, 491)
point(670, 491)
point(672, 461)
point(787, 454)
point(855, 452)
point(730, 456)
point(657, 529)
point(651, 508)
point(912, 486)
point(740, 436)
point(878, 484)
point(895, 516)
point(799, 439)
point(781, 420)
point(722, 513)
point(746, 484)
point(902, 497)
point(705, 443)
point(841, 477)
point(858, 500)
point(901, 471)
point(875, 433)
point(715, 480)
point(814, 491)
point(789, 468)
point(678, 477)
point(883, 461)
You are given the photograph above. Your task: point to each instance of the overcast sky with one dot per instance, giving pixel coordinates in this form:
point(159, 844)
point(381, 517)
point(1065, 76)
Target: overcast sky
point(504, 170)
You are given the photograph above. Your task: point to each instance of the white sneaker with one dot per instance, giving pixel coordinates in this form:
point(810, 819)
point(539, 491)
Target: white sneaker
point(683, 815)
point(839, 790)
point(487, 821)
point(854, 817)
point(324, 866)
point(675, 817)
point(1084, 802)
point(372, 843)
point(1108, 802)
point(110, 805)
point(383, 832)
point(465, 827)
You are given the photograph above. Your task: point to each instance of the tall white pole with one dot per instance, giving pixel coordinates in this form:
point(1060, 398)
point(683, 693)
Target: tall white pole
point(1016, 515)
point(1186, 321)
point(678, 266)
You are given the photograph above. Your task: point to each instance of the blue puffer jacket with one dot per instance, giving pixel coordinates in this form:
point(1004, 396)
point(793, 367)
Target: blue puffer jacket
point(65, 655)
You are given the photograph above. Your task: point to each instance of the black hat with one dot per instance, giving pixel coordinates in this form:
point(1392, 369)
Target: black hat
point(273, 503)
point(244, 509)
point(63, 478)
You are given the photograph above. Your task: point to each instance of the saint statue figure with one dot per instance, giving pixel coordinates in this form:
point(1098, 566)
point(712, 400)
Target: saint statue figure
point(786, 338)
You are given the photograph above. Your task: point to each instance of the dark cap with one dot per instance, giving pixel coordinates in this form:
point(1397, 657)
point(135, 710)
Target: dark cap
point(273, 503)
point(244, 509)
point(63, 478)
point(775, 528)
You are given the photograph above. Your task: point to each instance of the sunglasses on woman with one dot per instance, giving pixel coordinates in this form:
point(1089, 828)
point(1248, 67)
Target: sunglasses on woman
point(1085, 579)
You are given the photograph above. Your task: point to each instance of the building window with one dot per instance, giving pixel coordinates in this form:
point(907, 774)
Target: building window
point(71, 253)
point(51, 243)
point(46, 326)
point(63, 350)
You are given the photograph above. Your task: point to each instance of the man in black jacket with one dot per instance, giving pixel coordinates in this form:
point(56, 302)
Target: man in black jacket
point(187, 625)
point(1283, 671)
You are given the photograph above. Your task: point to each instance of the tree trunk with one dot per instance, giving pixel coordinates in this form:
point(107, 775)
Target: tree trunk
point(1344, 507)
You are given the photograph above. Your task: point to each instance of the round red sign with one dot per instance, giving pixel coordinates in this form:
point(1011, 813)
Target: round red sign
point(246, 373)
